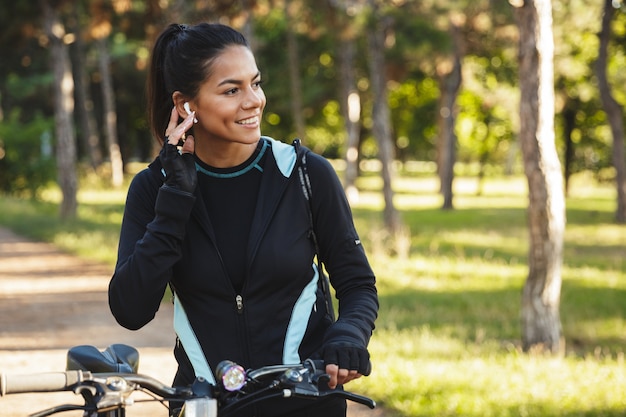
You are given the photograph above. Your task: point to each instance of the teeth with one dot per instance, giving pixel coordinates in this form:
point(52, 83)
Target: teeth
point(249, 121)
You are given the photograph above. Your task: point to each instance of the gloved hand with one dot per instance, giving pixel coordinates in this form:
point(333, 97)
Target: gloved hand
point(346, 345)
point(180, 169)
point(345, 354)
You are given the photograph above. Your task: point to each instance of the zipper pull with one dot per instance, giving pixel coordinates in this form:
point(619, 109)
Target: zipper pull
point(239, 301)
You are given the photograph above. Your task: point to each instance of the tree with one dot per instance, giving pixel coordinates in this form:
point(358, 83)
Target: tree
point(63, 109)
point(449, 85)
point(541, 324)
point(293, 58)
point(613, 111)
point(343, 23)
point(84, 104)
point(380, 114)
point(110, 113)
point(100, 30)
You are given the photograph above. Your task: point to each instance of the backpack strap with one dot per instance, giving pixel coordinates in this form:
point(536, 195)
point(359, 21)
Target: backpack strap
point(305, 182)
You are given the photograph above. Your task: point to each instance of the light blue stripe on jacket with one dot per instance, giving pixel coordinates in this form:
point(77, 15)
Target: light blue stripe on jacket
point(190, 342)
point(299, 320)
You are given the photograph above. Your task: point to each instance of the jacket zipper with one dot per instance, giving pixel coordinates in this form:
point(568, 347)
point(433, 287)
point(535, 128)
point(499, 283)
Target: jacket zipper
point(239, 301)
point(238, 297)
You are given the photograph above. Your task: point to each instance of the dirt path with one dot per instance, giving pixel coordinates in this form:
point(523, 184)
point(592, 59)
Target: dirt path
point(51, 301)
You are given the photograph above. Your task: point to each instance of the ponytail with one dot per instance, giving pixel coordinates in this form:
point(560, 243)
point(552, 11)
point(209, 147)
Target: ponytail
point(159, 98)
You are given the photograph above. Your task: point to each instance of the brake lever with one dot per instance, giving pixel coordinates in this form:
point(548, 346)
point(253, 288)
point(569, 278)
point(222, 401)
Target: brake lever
point(308, 385)
point(350, 396)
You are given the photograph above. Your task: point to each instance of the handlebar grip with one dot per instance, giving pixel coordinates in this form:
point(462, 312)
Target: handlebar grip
point(320, 365)
point(42, 382)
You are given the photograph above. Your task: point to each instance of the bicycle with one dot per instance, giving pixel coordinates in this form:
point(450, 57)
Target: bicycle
point(107, 379)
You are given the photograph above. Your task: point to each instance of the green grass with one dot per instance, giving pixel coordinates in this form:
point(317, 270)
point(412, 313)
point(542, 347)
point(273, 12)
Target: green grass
point(447, 341)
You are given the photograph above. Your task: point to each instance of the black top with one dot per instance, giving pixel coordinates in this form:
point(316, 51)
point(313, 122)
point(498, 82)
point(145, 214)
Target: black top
point(230, 196)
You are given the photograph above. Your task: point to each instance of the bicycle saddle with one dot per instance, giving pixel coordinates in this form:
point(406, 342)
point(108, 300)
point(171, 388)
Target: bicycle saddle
point(115, 358)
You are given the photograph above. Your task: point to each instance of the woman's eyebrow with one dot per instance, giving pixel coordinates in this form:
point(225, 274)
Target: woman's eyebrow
point(238, 82)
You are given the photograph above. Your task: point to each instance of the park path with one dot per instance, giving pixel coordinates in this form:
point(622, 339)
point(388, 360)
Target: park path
point(51, 301)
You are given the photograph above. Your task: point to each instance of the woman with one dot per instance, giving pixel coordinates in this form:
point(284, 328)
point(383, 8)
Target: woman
point(223, 219)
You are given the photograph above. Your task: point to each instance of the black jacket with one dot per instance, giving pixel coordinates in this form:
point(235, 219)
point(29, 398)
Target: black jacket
point(279, 316)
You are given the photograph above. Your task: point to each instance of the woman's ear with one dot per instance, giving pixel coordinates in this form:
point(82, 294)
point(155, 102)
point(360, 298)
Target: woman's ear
point(179, 102)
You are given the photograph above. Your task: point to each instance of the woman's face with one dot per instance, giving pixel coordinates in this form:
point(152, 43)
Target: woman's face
point(230, 103)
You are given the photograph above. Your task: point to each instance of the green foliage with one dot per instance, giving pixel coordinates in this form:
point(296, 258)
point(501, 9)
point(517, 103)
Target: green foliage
point(418, 45)
point(484, 129)
point(413, 107)
point(316, 67)
point(26, 160)
point(330, 140)
point(579, 107)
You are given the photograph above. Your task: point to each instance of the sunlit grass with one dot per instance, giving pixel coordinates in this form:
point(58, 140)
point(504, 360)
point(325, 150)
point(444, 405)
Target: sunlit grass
point(447, 341)
point(431, 375)
point(95, 232)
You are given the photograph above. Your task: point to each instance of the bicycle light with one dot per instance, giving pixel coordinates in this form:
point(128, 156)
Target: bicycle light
point(233, 376)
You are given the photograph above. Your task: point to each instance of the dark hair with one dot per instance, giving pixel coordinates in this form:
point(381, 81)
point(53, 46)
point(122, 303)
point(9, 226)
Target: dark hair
point(181, 61)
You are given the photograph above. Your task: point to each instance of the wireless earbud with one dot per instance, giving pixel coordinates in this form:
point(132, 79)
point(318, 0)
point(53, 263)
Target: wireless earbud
point(188, 110)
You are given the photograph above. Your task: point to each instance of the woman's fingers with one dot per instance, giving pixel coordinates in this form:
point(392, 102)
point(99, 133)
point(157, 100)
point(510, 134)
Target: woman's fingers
point(174, 133)
point(332, 370)
point(340, 376)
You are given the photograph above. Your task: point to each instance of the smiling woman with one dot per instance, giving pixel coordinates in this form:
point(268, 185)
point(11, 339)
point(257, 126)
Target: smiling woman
point(220, 216)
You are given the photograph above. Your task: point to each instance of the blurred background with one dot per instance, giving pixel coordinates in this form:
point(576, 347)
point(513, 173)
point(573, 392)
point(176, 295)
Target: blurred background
point(403, 96)
point(320, 68)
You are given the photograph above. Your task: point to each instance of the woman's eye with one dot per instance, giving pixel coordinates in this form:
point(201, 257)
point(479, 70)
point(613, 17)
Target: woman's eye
point(258, 84)
point(232, 91)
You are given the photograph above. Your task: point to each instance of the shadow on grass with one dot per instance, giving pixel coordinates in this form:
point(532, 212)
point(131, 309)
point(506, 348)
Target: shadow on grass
point(501, 234)
point(591, 316)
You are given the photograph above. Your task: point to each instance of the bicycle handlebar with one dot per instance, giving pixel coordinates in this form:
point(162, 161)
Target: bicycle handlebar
point(292, 380)
point(42, 382)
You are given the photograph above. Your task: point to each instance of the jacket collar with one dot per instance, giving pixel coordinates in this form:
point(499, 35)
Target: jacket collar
point(276, 173)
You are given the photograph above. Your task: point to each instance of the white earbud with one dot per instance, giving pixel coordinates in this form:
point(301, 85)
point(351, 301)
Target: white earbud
point(188, 110)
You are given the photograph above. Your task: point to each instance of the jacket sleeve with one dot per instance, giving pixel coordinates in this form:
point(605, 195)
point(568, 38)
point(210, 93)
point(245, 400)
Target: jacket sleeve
point(153, 228)
point(343, 255)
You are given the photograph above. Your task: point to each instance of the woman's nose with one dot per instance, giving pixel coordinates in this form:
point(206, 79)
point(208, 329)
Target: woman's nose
point(254, 98)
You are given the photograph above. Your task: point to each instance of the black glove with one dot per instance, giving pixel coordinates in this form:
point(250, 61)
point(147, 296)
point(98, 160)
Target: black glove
point(180, 170)
point(344, 347)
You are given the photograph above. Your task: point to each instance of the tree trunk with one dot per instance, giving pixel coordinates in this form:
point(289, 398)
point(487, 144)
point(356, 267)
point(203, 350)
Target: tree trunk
point(541, 324)
point(351, 109)
point(63, 109)
point(110, 115)
point(450, 82)
point(294, 71)
point(614, 112)
point(381, 117)
point(345, 26)
point(84, 105)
